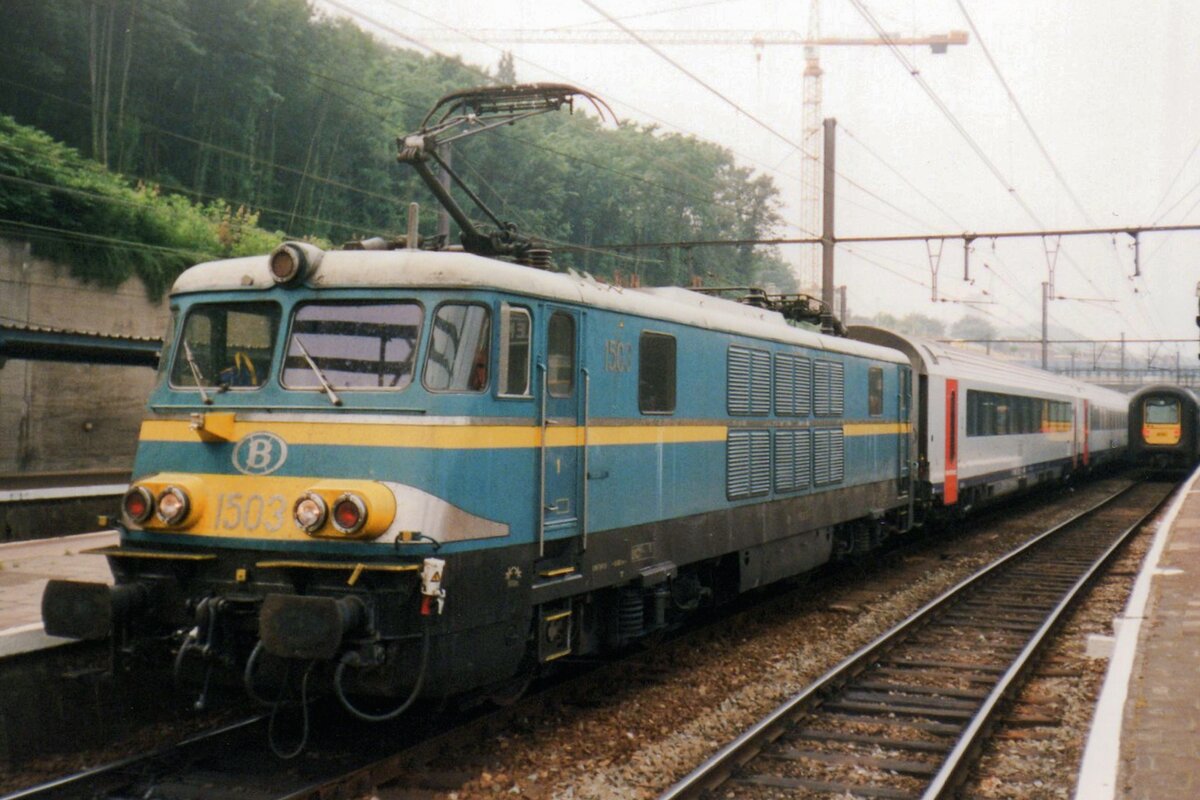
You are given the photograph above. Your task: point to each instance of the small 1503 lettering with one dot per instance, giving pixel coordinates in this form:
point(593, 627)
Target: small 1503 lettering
point(618, 356)
point(249, 512)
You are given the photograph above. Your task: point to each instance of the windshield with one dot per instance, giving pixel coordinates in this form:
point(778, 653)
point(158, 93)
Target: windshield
point(353, 345)
point(1162, 412)
point(226, 345)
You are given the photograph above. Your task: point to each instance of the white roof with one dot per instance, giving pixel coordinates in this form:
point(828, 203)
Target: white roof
point(457, 270)
point(946, 361)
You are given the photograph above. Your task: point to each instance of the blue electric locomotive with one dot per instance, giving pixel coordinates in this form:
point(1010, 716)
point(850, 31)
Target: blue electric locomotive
point(433, 471)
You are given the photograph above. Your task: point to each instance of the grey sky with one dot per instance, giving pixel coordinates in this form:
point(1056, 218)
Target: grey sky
point(1108, 85)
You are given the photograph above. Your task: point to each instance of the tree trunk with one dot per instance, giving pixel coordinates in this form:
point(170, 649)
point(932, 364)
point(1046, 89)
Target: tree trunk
point(125, 147)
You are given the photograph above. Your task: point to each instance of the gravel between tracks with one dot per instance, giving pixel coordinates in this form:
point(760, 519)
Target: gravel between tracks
point(671, 709)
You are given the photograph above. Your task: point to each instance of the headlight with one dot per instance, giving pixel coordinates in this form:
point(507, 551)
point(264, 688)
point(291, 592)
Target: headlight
point(173, 505)
point(138, 504)
point(292, 262)
point(349, 513)
point(310, 512)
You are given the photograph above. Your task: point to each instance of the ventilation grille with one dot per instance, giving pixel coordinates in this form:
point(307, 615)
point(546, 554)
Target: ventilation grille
point(793, 385)
point(749, 381)
point(829, 456)
point(793, 460)
point(748, 464)
point(829, 388)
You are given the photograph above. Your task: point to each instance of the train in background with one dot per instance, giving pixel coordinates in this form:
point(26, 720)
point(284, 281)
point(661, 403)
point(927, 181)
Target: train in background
point(1164, 427)
point(424, 471)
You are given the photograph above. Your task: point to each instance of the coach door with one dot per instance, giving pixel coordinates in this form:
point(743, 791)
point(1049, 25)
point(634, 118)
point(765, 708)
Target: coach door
point(562, 403)
point(950, 493)
point(904, 440)
point(1087, 432)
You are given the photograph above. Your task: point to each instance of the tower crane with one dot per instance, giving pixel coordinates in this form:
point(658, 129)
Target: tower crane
point(809, 273)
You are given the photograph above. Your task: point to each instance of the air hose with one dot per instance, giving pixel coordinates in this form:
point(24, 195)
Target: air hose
point(339, 675)
point(278, 703)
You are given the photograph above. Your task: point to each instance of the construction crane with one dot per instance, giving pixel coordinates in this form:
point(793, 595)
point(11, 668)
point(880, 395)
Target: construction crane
point(812, 174)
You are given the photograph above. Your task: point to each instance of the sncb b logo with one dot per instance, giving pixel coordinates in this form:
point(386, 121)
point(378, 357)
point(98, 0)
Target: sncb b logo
point(259, 454)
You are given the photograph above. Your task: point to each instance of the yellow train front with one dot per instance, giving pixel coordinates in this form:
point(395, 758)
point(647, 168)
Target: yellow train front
point(1164, 427)
point(429, 473)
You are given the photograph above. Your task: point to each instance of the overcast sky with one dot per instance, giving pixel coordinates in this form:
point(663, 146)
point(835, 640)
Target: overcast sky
point(1107, 85)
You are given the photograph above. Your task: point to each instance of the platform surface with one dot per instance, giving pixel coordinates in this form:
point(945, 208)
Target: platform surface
point(25, 567)
point(1145, 739)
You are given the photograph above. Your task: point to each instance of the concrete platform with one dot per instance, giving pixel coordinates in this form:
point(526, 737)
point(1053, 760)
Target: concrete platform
point(1145, 738)
point(25, 567)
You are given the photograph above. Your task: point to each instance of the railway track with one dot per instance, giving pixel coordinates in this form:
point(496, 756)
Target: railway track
point(907, 715)
point(236, 762)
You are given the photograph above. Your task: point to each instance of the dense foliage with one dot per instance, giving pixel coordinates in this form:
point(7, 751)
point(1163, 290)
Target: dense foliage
point(270, 106)
point(78, 213)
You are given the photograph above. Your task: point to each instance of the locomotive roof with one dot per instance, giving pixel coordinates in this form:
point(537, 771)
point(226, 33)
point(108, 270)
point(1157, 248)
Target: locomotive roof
point(457, 270)
point(935, 358)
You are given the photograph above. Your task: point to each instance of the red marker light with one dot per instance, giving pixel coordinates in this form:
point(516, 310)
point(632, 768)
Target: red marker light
point(349, 513)
point(138, 504)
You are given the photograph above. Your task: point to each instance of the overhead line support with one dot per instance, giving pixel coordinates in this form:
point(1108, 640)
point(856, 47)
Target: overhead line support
point(916, 237)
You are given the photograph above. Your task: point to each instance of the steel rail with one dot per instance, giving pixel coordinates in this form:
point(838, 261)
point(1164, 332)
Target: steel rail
point(76, 785)
point(954, 770)
point(721, 766)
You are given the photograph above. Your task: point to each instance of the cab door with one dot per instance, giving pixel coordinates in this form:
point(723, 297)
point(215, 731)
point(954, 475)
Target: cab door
point(562, 430)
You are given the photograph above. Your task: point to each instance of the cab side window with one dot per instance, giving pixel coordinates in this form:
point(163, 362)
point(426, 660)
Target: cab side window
point(459, 349)
point(515, 325)
point(656, 373)
point(560, 356)
point(875, 391)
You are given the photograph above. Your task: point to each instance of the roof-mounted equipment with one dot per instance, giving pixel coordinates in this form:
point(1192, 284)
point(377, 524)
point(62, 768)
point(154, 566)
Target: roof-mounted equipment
point(466, 113)
point(802, 308)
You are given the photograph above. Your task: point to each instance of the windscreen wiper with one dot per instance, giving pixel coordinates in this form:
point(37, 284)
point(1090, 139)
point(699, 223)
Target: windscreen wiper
point(333, 398)
point(197, 375)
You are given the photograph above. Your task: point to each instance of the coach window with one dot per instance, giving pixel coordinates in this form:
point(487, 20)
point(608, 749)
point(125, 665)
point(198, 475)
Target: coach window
point(515, 325)
point(656, 373)
point(459, 349)
point(560, 356)
point(875, 391)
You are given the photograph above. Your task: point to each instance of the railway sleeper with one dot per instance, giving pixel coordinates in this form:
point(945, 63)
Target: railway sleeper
point(904, 709)
point(923, 700)
point(851, 718)
point(856, 789)
point(950, 639)
point(1015, 610)
point(917, 768)
point(997, 669)
point(970, 621)
point(936, 691)
point(942, 676)
point(883, 742)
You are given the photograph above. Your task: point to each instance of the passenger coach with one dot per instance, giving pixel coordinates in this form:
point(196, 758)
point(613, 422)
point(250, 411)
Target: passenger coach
point(986, 428)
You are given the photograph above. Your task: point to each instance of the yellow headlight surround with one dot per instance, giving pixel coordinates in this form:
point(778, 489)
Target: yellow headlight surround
point(193, 488)
point(379, 501)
